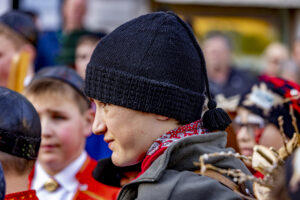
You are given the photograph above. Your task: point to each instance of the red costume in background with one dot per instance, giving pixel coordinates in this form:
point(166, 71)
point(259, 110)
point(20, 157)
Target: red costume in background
point(25, 195)
point(93, 190)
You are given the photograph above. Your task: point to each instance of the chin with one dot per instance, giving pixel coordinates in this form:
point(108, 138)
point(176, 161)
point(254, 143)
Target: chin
point(48, 159)
point(122, 161)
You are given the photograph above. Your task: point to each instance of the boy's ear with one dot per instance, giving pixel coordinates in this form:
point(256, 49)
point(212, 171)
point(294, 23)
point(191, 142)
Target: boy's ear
point(89, 117)
point(28, 48)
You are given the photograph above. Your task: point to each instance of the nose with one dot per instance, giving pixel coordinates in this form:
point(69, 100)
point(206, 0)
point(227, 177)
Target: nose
point(99, 126)
point(243, 134)
point(46, 127)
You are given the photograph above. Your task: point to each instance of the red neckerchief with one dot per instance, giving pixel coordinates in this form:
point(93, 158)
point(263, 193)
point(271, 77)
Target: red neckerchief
point(163, 142)
point(28, 194)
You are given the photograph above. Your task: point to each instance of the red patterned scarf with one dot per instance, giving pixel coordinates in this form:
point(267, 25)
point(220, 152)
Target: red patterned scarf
point(169, 138)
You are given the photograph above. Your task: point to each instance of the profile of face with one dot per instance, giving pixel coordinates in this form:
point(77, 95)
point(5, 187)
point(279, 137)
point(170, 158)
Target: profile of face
point(217, 53)
point(129, 133)
point(7, 53)
point(248, 128)
point(64, 129)
point(83, 54)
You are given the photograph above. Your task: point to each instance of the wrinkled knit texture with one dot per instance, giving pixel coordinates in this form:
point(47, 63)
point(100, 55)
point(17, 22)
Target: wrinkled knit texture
point(150, 64)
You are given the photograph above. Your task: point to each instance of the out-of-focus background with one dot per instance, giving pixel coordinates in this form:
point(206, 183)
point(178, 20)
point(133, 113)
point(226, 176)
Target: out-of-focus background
point(251, 24)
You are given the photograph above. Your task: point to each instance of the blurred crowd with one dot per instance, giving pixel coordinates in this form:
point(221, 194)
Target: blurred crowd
point(58, 88)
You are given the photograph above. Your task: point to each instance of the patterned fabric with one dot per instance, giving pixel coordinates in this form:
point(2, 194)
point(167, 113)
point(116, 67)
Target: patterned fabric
point(25, 195)
point(272, 97)
point(287, 89)
point(169, 138)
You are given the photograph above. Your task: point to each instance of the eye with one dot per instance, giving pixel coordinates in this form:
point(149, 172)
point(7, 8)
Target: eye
point(57, 116)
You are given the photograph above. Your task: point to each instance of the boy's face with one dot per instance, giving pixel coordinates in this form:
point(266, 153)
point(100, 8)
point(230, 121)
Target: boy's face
point(7, 51)
point(83, 55)
point(129, 133)
point(64, 130)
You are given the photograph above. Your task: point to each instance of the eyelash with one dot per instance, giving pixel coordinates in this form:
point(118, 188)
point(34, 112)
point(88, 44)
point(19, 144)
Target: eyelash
point(58, 117)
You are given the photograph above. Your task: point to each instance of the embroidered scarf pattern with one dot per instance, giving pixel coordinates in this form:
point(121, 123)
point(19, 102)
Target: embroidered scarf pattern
point(25, 195)
point(169, 138)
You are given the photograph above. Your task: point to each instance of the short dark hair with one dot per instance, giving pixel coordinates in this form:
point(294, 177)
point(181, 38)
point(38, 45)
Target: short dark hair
point(50, 86)
point(219, 34)
point(15, 164)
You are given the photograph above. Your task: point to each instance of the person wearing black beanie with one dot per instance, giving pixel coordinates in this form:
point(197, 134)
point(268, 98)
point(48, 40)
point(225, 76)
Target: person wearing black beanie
point(149, 83)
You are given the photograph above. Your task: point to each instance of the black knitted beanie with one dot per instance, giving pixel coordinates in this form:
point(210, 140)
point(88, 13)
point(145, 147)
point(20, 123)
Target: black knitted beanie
point(152, 64)
point(20, 127)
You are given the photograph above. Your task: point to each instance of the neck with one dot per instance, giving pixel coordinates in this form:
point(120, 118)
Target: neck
point(55, 167)
point(166, 127)
point(16, 183)
point(71, 27)
point(219, 75)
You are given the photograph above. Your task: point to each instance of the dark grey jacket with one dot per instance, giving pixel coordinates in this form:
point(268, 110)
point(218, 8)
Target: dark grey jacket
point(171, 175)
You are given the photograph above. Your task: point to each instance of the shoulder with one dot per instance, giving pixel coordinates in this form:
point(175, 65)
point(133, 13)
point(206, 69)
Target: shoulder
point(180, 185)
point(242, 73)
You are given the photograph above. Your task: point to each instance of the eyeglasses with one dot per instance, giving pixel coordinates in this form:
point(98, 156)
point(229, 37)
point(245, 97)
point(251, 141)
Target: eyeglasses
point(254, 126)
point(251, 127)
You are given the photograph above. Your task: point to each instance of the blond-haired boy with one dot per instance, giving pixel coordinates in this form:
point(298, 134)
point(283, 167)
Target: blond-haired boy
point(64, 170)
point(18, 33)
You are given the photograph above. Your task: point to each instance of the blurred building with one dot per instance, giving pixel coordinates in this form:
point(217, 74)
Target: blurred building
point(283, 15)
point(106, 15)
point(253, 24)
point(101, 15)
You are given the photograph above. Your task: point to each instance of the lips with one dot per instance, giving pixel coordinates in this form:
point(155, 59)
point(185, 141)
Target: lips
point(109, 142)
point(247, 151)
point(49, 147)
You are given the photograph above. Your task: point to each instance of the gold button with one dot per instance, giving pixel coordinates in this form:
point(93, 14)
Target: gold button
point(51, 185)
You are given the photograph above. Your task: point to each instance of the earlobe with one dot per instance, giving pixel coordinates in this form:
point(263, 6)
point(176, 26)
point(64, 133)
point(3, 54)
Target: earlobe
point(89, 119)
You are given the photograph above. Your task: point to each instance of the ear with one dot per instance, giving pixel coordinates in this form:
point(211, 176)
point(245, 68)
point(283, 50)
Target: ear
point(30, 50)
point(162, 118)
point(89, 117)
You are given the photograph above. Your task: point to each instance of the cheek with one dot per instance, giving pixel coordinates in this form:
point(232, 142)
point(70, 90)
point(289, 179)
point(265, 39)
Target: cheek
point(5, 64)
point(67, 132)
